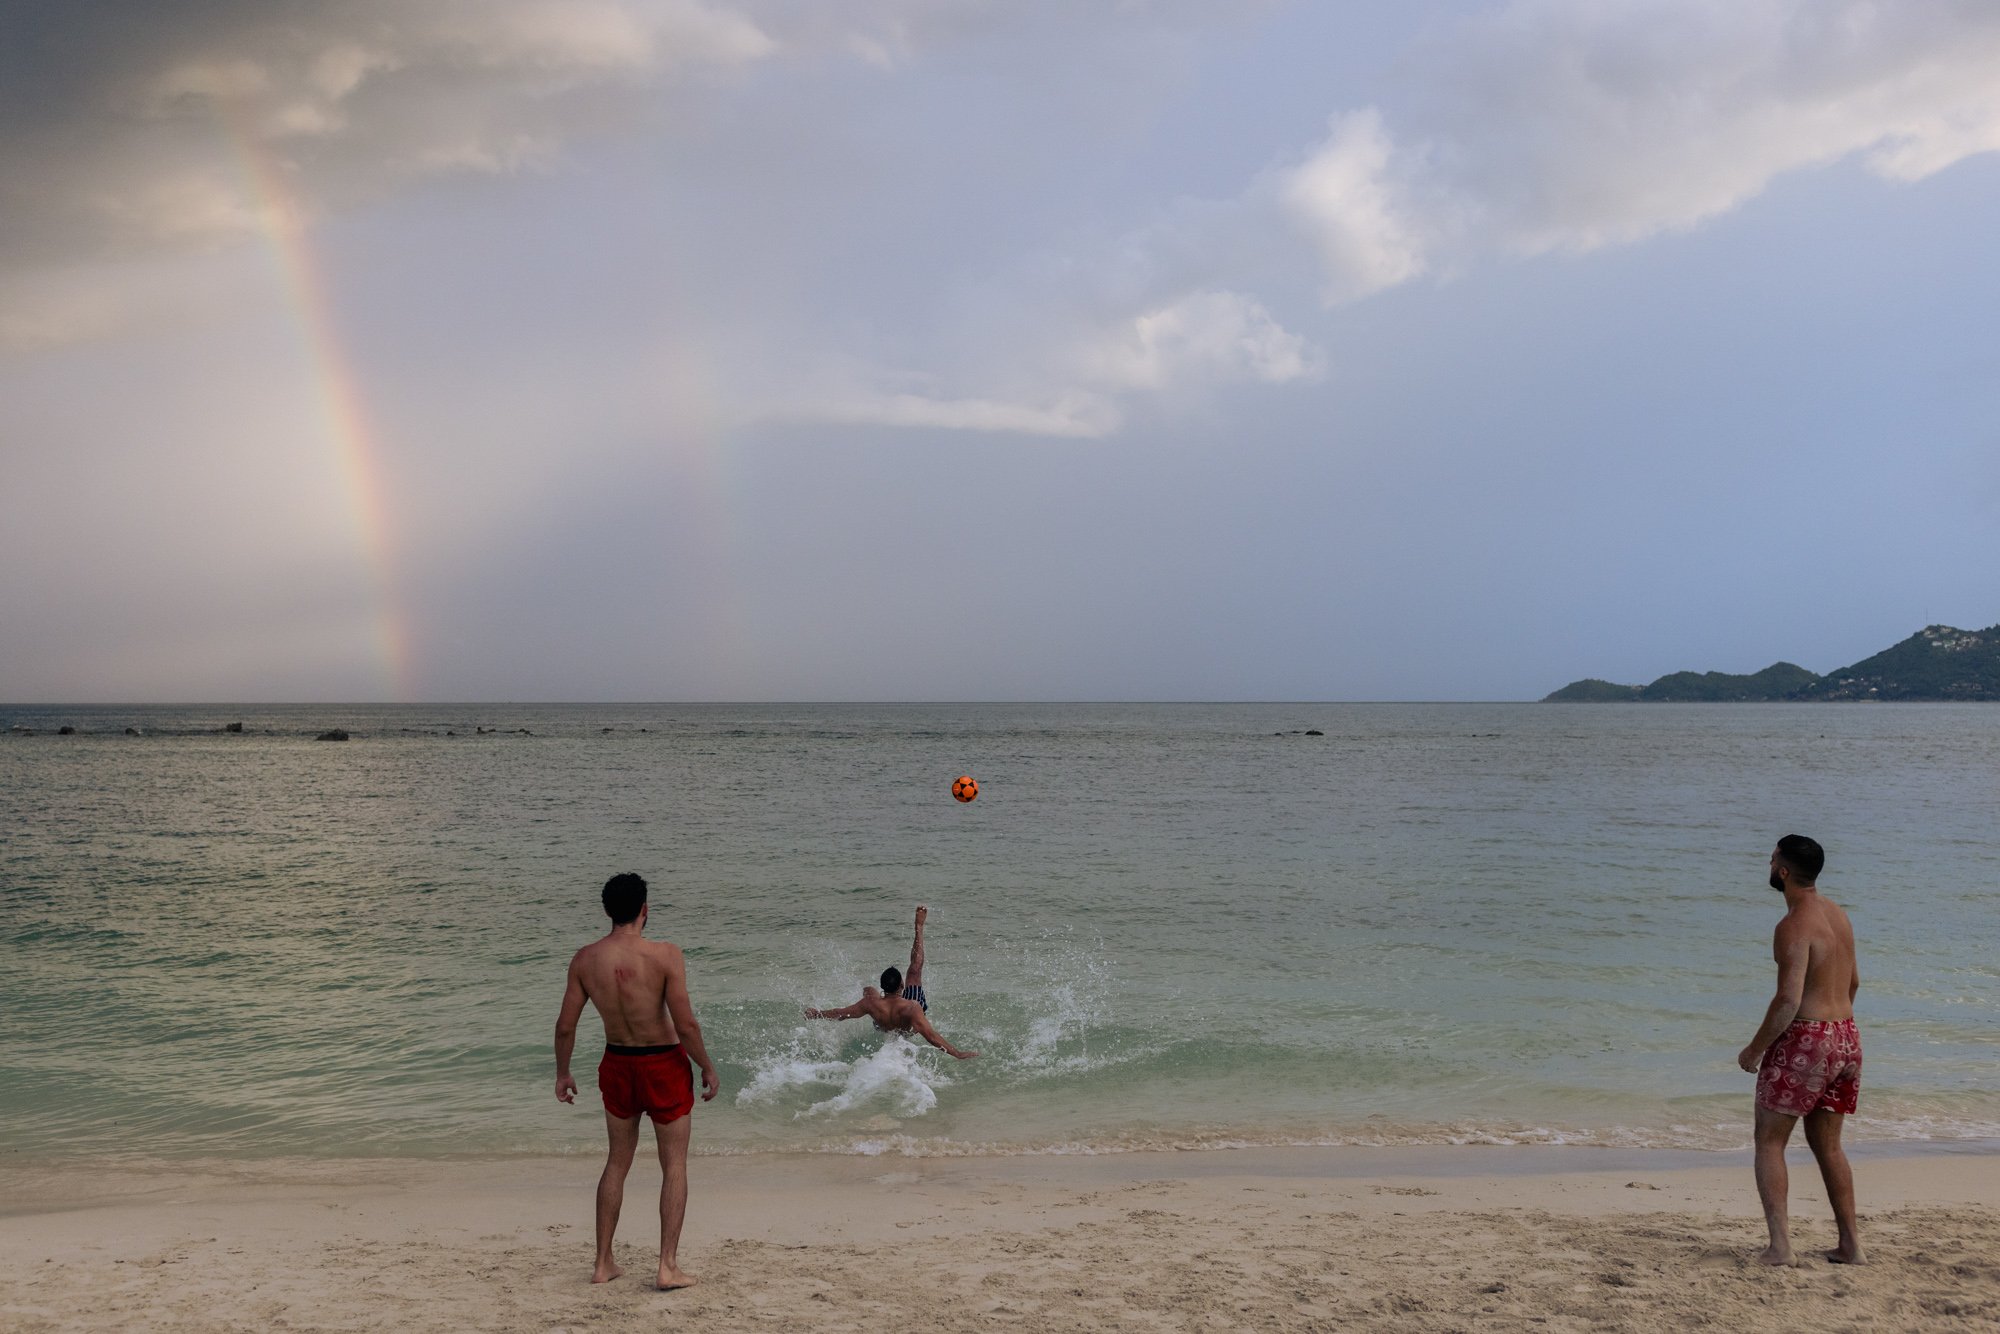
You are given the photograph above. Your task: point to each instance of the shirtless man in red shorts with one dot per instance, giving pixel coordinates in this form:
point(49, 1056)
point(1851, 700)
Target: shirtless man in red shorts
point(1807, 1056)
point(639, 987)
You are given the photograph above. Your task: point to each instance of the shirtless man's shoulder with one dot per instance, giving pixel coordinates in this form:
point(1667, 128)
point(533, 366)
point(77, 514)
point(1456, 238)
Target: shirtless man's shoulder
point(892, 1014)
point(649, 963)
point(611, 948)
point(1820, 918)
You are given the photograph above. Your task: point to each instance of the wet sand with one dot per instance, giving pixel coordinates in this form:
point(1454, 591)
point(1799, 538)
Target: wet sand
point(1291, 1239)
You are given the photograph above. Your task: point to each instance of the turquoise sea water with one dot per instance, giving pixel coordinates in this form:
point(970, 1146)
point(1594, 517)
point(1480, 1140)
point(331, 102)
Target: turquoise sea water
point(1161, 924)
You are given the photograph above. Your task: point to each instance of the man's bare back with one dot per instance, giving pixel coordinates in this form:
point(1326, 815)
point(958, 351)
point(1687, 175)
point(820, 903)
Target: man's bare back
point(892, 1014)
point(1819, 928)
point(639, 988)
point(626, 978)
point(903, 1013)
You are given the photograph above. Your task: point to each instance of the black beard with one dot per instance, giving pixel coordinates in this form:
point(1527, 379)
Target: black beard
point(1777, 882)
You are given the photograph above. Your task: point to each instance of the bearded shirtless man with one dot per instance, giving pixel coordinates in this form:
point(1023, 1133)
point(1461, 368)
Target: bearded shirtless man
point(1807, 1055)
point(900, 1006)
point(639, 987)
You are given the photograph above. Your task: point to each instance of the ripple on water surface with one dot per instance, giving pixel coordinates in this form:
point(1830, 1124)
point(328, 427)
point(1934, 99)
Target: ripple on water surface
point(1160, 925)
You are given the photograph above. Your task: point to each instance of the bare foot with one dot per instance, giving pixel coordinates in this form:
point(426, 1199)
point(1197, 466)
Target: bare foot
point(922, 912)
point(671, 1277)
point(605, 1272)
point(1847, 1255)
point(1771, 1255)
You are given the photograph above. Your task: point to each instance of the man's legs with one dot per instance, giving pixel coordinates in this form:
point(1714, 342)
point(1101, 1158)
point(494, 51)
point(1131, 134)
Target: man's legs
point(915, 976)
point(1823, 1135)
point(673, 1137)
point(1774, 1129)
point(611, 1191)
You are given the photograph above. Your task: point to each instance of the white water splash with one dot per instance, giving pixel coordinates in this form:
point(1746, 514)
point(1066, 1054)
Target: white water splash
point(892, 1078)
point(1061, 988)
point(894, 1081)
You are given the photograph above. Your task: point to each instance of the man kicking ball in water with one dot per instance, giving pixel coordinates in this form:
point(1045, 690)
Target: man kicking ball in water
point(639, 987)
point(900, 1006)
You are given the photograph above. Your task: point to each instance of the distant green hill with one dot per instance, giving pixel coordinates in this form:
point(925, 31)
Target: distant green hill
point(1590, 690)
point(1938, 662)
point(1781, 680)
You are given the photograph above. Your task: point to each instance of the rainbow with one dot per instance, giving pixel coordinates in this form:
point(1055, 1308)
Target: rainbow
point(348, 431)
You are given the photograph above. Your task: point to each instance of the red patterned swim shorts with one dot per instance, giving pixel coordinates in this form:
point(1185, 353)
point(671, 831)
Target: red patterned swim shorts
point(1814, 1066)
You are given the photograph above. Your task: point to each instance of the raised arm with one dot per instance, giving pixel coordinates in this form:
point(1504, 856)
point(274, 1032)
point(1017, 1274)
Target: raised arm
point(566, 1017)
point(922, 1024)
point(681, 1010)
point(1791, 951)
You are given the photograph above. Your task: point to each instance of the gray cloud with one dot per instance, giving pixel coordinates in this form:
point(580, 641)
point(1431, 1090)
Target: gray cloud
point(1194, 342)
point(1544, 125)
point(126, 121)
point(142, 130)
point(128, 128)
point(136, 129)
point(1567, 125)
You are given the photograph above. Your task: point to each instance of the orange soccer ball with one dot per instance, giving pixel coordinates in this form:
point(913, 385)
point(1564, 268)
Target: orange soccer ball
point(965, 787)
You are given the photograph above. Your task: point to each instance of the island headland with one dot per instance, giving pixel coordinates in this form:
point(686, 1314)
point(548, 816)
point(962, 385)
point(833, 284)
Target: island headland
point(1938, 662)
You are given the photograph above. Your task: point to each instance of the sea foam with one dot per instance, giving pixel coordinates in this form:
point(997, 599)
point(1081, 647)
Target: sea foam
point(894, 1081)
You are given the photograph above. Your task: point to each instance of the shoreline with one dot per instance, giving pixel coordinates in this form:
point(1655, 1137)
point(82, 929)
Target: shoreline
point(40, 1186)
point(1299, 1238)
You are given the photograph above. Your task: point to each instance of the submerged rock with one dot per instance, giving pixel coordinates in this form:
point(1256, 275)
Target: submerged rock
point(1314, 731)
point(336, 734)
point(65, 730)
point(233, 727)
point(132, 731)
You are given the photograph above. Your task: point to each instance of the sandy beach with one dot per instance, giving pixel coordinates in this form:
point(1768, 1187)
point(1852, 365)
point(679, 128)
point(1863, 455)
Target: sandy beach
point(1294, 1239)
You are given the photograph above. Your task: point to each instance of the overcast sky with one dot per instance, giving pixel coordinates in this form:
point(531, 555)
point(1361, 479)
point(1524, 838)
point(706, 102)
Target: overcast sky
point(988, 349)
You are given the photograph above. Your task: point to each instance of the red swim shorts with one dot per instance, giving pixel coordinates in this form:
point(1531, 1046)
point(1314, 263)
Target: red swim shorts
point(654, 1080)
point(1814, 1066)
